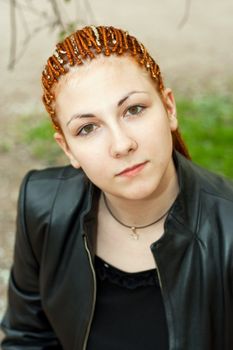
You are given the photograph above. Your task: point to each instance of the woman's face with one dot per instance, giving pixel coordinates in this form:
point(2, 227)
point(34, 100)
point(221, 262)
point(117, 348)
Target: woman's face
point(116, 127)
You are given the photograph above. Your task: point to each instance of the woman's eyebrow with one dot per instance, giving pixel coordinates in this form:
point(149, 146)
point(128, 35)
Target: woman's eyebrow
point(89, 115)
point(80, 116)
point(128, 95)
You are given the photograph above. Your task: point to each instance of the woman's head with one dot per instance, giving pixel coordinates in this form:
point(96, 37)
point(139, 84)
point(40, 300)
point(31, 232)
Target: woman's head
point(113, 119)
point(81, 50)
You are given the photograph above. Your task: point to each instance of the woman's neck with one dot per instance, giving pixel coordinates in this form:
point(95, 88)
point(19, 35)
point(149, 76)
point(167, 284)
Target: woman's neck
point(144, 211)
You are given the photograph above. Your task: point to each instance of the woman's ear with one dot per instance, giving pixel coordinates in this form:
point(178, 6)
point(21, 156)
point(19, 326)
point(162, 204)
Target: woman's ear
point(170, 105)
point(59, 138)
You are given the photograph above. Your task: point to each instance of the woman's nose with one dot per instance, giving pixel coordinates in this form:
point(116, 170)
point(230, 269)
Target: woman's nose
point(121, 143)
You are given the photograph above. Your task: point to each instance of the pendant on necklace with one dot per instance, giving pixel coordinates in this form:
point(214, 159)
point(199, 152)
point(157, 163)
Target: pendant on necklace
point(134, 233)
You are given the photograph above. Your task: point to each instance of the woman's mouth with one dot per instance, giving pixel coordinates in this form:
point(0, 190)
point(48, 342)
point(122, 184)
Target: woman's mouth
point(132, 171)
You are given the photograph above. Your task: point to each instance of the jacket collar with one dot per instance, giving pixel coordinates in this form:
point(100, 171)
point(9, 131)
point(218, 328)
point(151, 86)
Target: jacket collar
point(186, 207)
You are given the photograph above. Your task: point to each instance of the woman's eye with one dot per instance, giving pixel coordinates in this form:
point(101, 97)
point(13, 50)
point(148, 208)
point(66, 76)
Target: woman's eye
point(134, 110)
point(87, 129)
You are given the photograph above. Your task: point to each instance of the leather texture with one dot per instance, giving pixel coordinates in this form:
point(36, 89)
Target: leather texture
point(52, 284)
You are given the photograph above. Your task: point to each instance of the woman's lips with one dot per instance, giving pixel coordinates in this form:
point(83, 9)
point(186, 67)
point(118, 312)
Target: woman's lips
point(132, 171)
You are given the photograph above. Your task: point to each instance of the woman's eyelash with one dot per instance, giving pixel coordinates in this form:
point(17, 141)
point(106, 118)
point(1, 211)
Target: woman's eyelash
point(135, 109)
point(86, 130)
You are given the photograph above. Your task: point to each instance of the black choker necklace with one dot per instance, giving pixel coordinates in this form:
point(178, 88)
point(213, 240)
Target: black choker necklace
point(134, 229)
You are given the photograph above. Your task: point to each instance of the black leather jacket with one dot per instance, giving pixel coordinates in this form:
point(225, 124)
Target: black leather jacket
point(52, 285)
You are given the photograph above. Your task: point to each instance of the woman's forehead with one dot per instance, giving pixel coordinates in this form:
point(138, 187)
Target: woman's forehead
point(101, 86)
point(109, 70)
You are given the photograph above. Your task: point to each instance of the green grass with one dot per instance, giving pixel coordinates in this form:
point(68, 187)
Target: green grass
point(39, 137)
point(207, 127)
point(206, 124)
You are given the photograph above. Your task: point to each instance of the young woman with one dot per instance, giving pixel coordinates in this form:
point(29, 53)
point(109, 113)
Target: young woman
point(131, 247)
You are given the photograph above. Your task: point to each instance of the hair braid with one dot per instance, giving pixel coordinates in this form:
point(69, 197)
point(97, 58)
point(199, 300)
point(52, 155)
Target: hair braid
point(92, 41)
point(82, 37)
point(121, 47)
point(115, 39)
point(69, 51)
point(125, 40)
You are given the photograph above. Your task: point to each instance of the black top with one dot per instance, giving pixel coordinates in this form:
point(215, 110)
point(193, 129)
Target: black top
point(129, 313)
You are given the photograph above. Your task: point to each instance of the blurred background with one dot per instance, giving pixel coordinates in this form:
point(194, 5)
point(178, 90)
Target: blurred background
point(192, 42)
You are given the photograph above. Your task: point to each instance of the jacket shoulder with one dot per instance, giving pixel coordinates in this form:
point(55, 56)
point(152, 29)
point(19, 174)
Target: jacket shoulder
point(45, 194)
point(204, 198)
point(59, 173)
point(203, 180)
point(40, 188)
point(45, 182)
point(214, 184)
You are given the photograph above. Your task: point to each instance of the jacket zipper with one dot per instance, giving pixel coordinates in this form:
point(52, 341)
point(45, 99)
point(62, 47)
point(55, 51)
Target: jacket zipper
point(161, 287)
point(94, 296)
point(158, 273)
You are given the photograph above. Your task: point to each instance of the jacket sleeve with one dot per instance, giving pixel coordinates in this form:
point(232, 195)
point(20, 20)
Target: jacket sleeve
point(25, 324)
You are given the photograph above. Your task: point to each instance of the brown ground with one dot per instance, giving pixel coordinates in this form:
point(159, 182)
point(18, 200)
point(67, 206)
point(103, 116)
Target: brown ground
point(196, 59)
